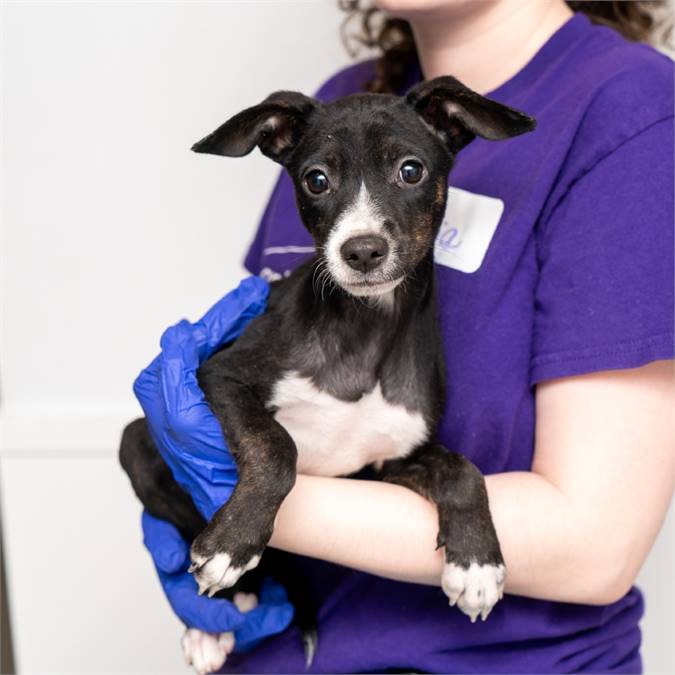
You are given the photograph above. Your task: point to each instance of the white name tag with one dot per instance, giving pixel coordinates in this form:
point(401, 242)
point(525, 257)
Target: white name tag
point(469, 223)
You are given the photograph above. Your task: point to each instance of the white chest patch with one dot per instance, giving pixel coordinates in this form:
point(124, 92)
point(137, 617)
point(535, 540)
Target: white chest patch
point(335, 437)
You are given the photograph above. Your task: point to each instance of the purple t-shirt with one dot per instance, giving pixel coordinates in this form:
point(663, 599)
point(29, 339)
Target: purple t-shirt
point(555, 259)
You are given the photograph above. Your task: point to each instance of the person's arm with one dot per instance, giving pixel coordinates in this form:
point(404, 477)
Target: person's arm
point(577, 528)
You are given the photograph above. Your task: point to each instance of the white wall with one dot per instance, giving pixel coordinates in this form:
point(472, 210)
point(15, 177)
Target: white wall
point(112, 230)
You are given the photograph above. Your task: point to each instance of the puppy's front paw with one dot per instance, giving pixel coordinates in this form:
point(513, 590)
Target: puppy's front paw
point(231, 544)
point(475, 589)
point(206, 652)
point(216, 571)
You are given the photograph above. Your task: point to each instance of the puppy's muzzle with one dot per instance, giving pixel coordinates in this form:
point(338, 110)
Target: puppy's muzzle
point(365, 253)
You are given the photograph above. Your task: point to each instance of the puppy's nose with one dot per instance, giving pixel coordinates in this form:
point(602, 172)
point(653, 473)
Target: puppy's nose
point(365, 253)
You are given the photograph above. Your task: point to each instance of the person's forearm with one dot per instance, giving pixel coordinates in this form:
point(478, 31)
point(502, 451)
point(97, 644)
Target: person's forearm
point(390, 531)
point(576, 528)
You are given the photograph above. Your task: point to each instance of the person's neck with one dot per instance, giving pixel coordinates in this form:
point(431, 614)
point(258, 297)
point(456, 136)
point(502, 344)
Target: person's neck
point(485, 43)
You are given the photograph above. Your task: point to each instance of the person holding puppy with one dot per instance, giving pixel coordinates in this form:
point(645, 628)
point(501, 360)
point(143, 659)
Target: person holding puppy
point(555, 283)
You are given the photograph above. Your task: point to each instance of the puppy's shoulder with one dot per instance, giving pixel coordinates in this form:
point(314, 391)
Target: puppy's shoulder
point(286, 292)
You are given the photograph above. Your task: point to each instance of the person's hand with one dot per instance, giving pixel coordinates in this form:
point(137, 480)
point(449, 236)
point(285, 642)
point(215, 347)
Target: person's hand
point(181, 424)
point(190, 440)
point(170, 553)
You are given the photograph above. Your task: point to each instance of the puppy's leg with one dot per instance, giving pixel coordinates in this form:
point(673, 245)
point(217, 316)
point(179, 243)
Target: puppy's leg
point(234, 540)
point(207, 652)
point(154, 483)
point(474, 572)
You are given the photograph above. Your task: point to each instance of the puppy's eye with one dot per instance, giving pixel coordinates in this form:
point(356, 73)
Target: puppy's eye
point(411, 172)
point(317, 182)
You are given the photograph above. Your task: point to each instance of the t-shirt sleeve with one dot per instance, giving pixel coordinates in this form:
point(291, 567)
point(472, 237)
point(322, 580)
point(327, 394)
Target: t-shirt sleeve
point(604, 298)
point(281, 241)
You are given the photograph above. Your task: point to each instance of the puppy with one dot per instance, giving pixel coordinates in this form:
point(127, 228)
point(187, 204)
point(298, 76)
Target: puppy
point(345, 369)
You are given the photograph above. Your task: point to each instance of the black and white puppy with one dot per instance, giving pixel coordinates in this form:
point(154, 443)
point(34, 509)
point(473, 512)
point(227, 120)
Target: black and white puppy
point(345, 369)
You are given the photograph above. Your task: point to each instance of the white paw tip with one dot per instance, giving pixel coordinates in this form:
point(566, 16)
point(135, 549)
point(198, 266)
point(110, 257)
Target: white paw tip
point(197, 560)
point(206, 652)
point(476, 589)
point(245, 602)
point(217, 573)
point(253, 562)
point(226, 642)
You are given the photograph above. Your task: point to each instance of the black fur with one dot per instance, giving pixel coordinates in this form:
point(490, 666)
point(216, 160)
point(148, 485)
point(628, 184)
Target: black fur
point(325, 325)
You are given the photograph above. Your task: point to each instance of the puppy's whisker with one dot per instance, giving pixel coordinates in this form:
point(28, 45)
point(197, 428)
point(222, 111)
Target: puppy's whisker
point(317, 267)
point(325, 280)
point(320, 278)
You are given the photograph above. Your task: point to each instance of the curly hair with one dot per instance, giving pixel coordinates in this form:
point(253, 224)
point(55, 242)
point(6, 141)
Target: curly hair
point(392, 37)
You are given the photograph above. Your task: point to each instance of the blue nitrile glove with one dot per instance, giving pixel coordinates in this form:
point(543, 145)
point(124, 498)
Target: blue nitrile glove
point(171, 553)
point(184, 429)
point(190, 440)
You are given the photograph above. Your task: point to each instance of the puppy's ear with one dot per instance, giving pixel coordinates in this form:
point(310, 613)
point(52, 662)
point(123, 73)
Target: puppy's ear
point(458, 114)
point(275, 125)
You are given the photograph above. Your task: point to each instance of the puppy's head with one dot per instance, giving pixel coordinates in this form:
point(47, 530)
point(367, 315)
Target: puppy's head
point(370, 170)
